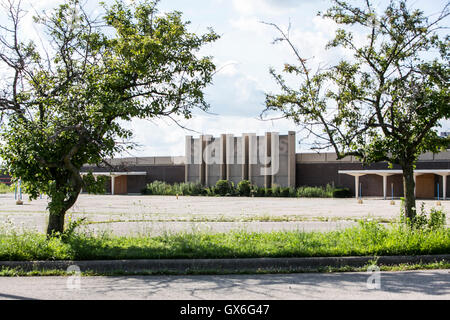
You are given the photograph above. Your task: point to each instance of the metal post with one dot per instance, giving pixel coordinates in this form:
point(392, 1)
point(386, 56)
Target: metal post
point(444, 187)
point(438, 191)
point(392, 189)
point(360, 190)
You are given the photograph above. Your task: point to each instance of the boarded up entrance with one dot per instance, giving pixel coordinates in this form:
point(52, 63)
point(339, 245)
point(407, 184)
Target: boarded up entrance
point(425, 186)
point(120, 185)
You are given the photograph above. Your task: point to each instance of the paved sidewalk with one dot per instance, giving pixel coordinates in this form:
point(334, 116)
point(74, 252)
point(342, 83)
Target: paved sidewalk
point(431, 284)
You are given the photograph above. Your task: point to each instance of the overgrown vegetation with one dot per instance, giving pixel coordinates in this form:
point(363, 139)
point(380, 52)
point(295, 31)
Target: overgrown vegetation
point(368, 238)
point(435, 219)
point(4, 188)
point(244, 189)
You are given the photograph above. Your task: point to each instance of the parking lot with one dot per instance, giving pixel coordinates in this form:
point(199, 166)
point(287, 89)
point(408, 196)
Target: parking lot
point(126, 215)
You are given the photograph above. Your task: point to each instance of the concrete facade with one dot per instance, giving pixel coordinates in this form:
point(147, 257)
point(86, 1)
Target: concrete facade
point(323, 169)
point(266, 161)
point(168, 169)
point(270, 160)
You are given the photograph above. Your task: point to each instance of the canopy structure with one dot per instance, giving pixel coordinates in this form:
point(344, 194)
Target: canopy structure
point(113, 176)
point(386, 173)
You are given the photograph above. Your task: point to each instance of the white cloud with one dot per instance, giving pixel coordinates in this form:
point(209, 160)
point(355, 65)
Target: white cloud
point(164, 138)
point(271, 7)
point(234, 92)
point(248, 24)
point(228, 68)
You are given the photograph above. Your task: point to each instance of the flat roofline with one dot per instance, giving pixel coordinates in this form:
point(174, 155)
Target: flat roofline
point(386, 172)
point(131, 173)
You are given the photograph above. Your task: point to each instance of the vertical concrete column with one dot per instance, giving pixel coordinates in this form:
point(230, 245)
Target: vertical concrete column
point(113, 178)
point(444, 187)
point(291, 159)
point(356, 186)
point(222, 157)
point(229, 154)
point(207, 157)
point(245, 157)
point(202, 166)
point(268, 155)
point(252, 154)
point(188, 157)
point(274, 156)
point(384, 186)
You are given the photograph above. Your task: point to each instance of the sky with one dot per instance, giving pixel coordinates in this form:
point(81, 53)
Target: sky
point(243, 56)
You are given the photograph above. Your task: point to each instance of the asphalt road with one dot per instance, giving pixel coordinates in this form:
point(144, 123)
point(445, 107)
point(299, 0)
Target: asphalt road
point(431, 284)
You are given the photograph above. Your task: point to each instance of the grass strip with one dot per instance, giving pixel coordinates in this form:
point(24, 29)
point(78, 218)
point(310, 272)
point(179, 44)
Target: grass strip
point(17, 272)
point(368, 238)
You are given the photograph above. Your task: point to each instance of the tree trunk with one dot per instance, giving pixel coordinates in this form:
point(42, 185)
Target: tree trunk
point(58, 209)
point(56, 222)
point(408, 191)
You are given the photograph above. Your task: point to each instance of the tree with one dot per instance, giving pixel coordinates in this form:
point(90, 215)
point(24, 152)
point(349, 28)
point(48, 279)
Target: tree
point(62, 108)
point(387, 101)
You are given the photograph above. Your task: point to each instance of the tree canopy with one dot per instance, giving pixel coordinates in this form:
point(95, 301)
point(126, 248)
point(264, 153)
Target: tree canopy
point(387, 101)
point(64, 106)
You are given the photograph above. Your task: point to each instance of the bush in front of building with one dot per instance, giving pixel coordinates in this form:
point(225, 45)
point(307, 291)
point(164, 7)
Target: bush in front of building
point(315, 192)
point(342, 193)
point(435, 219)
point(161, 188)
point(257, 191)
point(287, 192)
point(224, 187)
point(268, 192)
point(244, 188)
point(190, 189)
point(4, 188)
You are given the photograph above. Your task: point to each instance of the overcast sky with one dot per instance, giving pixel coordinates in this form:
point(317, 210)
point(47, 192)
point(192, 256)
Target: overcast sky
point(243, 54)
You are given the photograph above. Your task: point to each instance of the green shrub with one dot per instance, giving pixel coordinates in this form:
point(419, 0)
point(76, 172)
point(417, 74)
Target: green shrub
point(224, 187)
point(210, 192)
point(286, 192)
point(159, 188)
point(310, 192)
point(342, 193)
point(4, 188)
point(276, 191)
point(191, 188)
point(435, 219)
point(164, 189)
point(244, 187)
point(256, 191)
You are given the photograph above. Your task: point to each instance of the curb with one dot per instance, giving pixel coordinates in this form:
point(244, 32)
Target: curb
point(228, 265)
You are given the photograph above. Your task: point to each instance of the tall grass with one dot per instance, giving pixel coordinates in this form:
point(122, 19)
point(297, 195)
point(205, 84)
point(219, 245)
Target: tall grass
point(4, 188)
point(368, 238)
point(165, 189)
point(315, 192)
